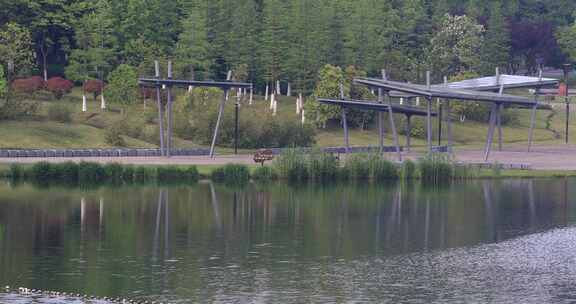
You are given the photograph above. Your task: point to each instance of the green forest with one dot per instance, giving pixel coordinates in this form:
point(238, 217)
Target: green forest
point(270, 40)
point(65, 50)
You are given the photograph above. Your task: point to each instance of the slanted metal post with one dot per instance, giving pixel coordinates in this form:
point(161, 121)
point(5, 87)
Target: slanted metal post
point(236, 121)
point(381, 116)
point(160, 112)
point(533, 119)
point(449, 119)
point(490, 137)
point(345, 121)
point(428, 115)
point(220, 111)
point(499, 119)
point(169, 106)
point(346, 135)
point(217, 127)
point(499, 122)
point(393, 126)
point(408, 131)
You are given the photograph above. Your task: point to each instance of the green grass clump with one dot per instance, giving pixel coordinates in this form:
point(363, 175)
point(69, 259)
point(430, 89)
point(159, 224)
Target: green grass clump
point(232, 174)
point(356, 167)
point(292, 165)
point(436, 168)
point(15, 171)
point(408, 170)
point(66, 172)
point(381, 169)
point(91, 173)
point(264, 174)
point(41, 172)
point(173, 174)
point(114, 172)
point(322, 167)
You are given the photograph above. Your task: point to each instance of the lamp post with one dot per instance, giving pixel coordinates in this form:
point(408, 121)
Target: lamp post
point(567, 67)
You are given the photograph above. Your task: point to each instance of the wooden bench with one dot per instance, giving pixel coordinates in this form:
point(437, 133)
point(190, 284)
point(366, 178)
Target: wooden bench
point(263, 155)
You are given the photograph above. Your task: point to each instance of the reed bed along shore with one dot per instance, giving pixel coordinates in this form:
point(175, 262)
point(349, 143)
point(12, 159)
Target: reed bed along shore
point(291, 166)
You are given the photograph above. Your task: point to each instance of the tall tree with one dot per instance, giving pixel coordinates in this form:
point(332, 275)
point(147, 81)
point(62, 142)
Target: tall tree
point(15, 49)
point(95, 52)
point(456, 46)
point(192, 48)
point(496, 47)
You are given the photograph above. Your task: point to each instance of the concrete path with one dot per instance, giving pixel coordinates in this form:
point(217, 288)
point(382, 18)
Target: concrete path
point(541, 158)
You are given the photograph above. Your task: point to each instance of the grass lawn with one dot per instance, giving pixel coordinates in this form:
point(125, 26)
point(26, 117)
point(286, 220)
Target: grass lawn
point(87, 129)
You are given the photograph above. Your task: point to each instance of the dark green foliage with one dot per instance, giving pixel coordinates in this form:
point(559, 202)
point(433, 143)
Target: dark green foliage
point(15, 171)
point(66, 172)
point(91, 173)
point(41, 172)
point(114, 172)
point(113, 135)
point(232, 174)
point(292, 165)
point(264, 174)
point(322, 167)
point(408, 170)
point(382, 169)
point(436, 168)
point(356, 167)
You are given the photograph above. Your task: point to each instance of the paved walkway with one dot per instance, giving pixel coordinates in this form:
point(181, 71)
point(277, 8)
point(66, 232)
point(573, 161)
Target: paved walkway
point(541, 158)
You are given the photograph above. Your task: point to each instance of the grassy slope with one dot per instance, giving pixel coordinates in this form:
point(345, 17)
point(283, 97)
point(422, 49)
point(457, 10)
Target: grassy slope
point(87, 128)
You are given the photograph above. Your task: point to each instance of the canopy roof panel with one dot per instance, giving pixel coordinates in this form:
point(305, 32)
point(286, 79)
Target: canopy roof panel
point(185, 83)
point(493, 83)
point(445, 92)
point(367, 105)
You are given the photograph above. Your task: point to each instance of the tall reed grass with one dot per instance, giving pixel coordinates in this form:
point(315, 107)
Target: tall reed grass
point(90, 173)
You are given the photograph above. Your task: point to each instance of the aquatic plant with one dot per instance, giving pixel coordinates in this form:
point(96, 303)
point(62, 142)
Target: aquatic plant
point(264, 174)
point(436, 168)
point(232, 174)
point(292, 165)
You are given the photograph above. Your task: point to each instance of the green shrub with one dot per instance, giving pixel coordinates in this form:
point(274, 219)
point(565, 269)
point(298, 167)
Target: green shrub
point(436, 168)
point(292, 165)
point(90, 173)
point(60, 113)
point(144, 174)
point(322, 167)
point(191, 173)
point(264, 174)
point(408, 170)
point(16, 171)
point(113, 137)
point(66, 172)
point(128, 173)
point(41, 172)
point(114, 172)
point(356, 167)
point(380, 168)
point(218, 174)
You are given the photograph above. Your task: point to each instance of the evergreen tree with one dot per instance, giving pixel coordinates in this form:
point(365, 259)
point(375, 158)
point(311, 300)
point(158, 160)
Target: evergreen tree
point(273, 40)
point(496, 47)
point(96, 45)
point(192, 48)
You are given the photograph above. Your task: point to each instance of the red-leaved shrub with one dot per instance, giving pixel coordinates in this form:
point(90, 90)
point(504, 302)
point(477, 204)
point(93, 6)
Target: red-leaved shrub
point(94, 87)
point(59, 86)
point(28, 85)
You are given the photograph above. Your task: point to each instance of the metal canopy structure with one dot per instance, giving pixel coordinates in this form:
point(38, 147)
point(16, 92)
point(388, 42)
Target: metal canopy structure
point(493, 83)
point(379, 107)
point(444, 92)
point(168, 83)
point(473, 90)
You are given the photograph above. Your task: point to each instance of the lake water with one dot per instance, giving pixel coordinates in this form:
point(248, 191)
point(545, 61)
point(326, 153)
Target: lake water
point(505, 241)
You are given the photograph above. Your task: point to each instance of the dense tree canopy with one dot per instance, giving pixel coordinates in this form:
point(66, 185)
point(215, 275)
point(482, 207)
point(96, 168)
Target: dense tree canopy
point(288, 41)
